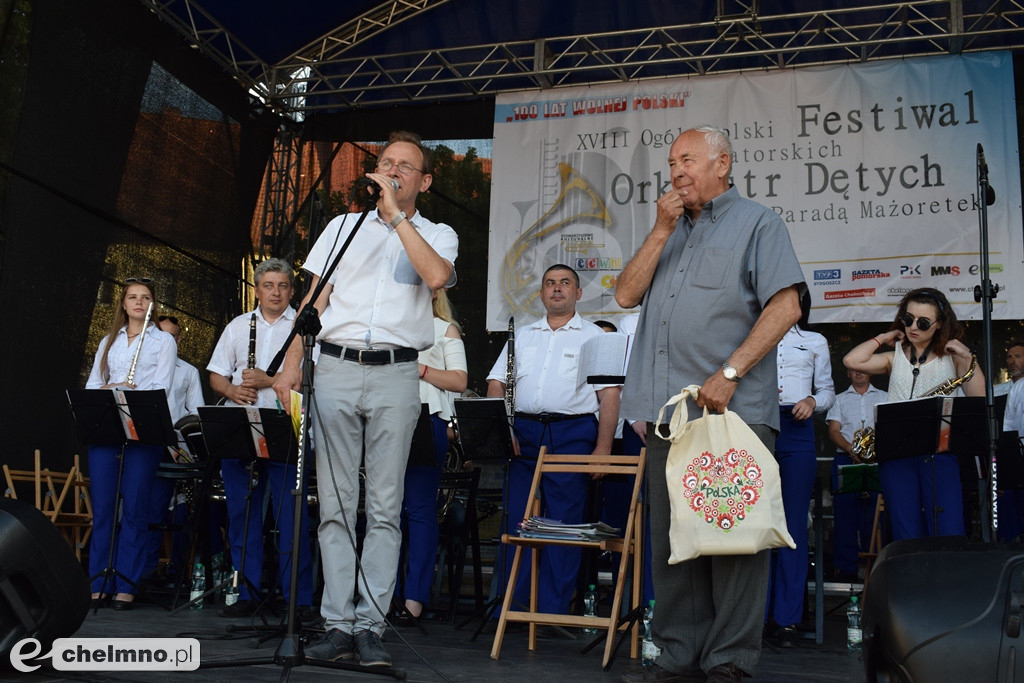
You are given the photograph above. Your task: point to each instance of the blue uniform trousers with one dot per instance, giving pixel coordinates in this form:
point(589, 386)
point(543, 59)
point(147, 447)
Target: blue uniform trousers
point(920, 491)
point(131, 553)
point(279, 480)
point(419, 520)
point(787, 582)
point(853, 519)
point(615, 511)
point(564, 498)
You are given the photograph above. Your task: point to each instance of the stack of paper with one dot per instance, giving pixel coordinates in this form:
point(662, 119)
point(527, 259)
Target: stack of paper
point(553, 529)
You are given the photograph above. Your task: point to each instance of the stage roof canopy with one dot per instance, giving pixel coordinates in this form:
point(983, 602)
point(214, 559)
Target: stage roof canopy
point(308, 56)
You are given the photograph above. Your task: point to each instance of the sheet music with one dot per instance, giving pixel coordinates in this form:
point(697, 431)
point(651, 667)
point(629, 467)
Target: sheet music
point(604, 355)
point(258, 439)
point(125, 413)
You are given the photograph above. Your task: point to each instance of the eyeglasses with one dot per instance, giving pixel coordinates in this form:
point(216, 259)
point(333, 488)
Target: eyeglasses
point(405, 168)
point(138, 280)
point(169, 318)
point(922, 323)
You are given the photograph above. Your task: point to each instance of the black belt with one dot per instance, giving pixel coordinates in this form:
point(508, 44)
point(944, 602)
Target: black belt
point(548, 418)
point(370, 356)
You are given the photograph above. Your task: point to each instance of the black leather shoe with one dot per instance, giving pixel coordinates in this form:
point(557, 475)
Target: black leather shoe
point(242, 608)
point(122, 605)
point(725, 673)
point(656, 674)
point(789, 636)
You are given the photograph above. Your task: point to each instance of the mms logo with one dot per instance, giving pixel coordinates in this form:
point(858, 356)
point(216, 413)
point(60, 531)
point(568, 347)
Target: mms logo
point(945, 270)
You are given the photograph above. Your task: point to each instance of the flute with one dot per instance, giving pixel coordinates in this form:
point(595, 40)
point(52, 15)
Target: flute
point(130, 379)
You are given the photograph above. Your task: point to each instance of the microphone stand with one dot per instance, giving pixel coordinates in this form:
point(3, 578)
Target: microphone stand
point(984, 294)
point(290, 653)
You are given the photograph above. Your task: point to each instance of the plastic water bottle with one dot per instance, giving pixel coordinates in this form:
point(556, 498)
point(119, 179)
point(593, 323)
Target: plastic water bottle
point(854, 635)
point(648, 650)
point(231, 594)
point(198, 586)
point(590, 608)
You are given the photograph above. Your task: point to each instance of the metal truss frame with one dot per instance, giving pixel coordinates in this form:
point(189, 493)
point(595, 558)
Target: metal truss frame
point(744, 35)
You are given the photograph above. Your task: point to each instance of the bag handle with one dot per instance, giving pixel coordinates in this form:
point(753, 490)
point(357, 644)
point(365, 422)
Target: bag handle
point(677, 425)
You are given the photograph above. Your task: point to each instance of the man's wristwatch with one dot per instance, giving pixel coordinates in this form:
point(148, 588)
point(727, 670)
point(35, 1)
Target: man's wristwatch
point(730, 372)
point(399, 217)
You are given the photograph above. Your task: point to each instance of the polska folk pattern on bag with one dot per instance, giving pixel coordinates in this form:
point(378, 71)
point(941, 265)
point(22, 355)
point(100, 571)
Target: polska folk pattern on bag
point(720, 488)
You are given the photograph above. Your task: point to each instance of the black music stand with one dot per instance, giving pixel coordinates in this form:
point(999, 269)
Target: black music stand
point(926, 426)
point(250, 435)
point(115, 417)
point(937, 424)
point(484, 435)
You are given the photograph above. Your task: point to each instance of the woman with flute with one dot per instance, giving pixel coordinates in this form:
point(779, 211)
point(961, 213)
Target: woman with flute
point(922, 493)
point(135, 354)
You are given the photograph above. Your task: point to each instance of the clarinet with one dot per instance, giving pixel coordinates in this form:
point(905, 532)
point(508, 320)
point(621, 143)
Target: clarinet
point(251, 364)
point(510, 371)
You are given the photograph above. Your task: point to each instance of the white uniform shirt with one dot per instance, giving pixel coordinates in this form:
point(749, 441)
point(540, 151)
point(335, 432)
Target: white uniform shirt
point(1002, 389)
point(154, 370)
point(186, 391)
point(231, 354)
point(447, 353)
point(1013, 419)
point(805, 369)
point(853, 411)
point(546, 361)
point(378, 300)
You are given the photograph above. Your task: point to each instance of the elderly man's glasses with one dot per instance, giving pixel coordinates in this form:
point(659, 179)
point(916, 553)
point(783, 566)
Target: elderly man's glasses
point(405, 168)
point(922, 323)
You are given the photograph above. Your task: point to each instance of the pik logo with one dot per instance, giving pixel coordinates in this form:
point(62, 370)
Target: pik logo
point(910, 272)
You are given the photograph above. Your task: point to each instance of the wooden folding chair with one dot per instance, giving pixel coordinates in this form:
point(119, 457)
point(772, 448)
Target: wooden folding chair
point(629, 546)
point(66, 503)
point(13, 477)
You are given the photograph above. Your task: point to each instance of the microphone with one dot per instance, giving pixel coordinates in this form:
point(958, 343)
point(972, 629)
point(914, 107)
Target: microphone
point(372, 186)
point(990, 194)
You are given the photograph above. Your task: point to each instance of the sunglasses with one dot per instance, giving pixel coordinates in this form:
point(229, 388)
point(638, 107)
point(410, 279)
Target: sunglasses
point(170, 318)
point(138, 280)
point(922, 323)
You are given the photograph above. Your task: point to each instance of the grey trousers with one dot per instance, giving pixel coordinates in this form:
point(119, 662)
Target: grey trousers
point(710, 610)
point(356, 405)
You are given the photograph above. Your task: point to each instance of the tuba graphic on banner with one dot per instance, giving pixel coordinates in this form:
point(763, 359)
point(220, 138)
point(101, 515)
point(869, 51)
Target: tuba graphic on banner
point(518, 270)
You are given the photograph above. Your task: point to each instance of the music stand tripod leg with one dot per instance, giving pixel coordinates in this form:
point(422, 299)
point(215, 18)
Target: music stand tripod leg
point(109, 572)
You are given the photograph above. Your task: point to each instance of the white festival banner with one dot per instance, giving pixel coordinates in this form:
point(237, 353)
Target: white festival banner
point(872, 167)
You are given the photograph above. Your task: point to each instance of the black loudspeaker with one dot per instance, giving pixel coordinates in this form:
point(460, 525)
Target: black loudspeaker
point(44, 592)
point(945, 609)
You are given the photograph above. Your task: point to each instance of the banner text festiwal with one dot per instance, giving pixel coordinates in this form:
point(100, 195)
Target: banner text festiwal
point(872, 167)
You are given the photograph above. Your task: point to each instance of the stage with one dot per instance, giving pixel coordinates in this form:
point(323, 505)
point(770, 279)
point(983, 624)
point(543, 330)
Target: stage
point(444, 648)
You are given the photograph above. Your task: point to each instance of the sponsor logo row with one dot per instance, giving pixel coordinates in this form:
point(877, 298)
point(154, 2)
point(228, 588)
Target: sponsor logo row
point(834, 276)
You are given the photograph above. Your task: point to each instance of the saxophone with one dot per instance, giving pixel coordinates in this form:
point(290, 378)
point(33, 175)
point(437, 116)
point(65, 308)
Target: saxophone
point(510, 371)
point(130, 378)
point(864, 438)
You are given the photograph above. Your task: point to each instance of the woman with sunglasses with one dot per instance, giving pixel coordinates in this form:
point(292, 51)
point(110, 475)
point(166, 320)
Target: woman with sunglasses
point(922, 494)
point(153, 370)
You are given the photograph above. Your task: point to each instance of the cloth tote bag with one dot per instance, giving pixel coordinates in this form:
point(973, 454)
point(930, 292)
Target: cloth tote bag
point(723, 486)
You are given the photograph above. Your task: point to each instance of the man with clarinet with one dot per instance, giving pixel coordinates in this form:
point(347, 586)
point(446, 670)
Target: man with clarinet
point(246, 347)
